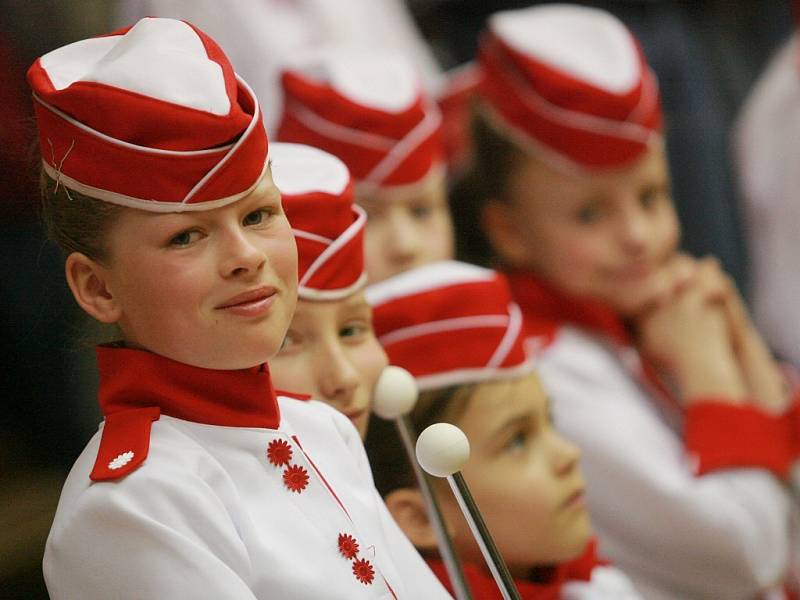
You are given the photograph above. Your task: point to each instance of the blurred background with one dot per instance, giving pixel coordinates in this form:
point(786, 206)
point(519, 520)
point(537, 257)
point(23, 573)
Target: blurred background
point(707, 55)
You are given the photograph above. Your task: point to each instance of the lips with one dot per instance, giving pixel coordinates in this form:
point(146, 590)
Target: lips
point(574, 499)
point(253, 296)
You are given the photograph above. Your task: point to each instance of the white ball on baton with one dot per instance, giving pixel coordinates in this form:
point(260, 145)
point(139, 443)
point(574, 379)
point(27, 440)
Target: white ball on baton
point(395, 393)
point(442, 449)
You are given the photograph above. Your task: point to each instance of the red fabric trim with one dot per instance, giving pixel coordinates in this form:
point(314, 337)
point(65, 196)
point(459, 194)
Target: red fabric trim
point(293, 395)
point(546, 309)
point(724, 436)
point(136, 378)
point(483, 586)
point(124, 444)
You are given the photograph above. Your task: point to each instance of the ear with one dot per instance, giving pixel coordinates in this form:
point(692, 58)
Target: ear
point(88, 281)
point(503, 232)
point(408, 509)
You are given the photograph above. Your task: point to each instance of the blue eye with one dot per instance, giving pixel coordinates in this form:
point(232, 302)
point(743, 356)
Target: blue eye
point(184, 238)
point(517, 441)
point(255, 218)
point(421, 212)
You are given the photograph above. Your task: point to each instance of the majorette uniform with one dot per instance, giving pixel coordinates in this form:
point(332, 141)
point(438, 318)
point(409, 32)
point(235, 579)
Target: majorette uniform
point(204, 484)
point(689, 503)
point(420, 317)
point(367, 108)
point(200, 483)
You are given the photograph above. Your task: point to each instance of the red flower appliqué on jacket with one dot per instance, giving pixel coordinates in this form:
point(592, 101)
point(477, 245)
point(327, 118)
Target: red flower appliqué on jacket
point(279, 453)
point(348, 546)
point(295, 478)
point(363, 571)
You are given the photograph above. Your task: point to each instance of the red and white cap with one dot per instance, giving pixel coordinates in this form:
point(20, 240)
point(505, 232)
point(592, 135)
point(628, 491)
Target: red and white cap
point(450, 323)
point(317, 197)
point(151, 117)
point(368, 108)
point(571, 82)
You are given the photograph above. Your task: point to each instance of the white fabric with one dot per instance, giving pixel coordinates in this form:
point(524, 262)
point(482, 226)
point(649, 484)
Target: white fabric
point(208, 517)
point(607, 583)
point(300, 169)
point(426, 278)
point(380, 80)
point(159, 58)
point(724, 535)
point(259, 35)
point(586, 43)
point(768, 153)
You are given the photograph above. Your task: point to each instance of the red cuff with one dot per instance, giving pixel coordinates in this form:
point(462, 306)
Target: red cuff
point(725, 436)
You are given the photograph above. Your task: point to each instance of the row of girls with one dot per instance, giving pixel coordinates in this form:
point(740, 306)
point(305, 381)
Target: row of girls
point(631, 435)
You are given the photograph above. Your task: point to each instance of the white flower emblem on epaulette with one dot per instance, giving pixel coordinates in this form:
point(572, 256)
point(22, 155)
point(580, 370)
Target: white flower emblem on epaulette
point(121, 460)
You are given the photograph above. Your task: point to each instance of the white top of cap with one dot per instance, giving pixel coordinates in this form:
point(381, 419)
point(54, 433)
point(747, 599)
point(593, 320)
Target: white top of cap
point(163, 59)
point(586, 43)
point(300, 169)
point(428, 277)
point(374, 78)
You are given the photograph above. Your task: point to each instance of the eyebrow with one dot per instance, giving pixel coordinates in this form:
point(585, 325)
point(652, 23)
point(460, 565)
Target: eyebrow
point(513, 423)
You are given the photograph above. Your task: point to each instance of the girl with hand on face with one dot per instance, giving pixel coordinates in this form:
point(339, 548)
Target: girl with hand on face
point(368, 108)
point(455, 327)
point(330, 351)
point(203, 482)
point(648, 355)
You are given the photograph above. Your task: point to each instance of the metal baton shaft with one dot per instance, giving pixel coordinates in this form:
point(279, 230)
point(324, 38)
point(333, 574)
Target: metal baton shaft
point(492, 557)
point(446, 548)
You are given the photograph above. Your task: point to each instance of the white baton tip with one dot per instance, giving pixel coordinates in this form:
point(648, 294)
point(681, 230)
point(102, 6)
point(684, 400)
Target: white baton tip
point(442, 449)
point(395, 393)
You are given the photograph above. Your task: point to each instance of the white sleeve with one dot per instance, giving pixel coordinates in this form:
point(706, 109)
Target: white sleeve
point(723, 535)
point(156, 534)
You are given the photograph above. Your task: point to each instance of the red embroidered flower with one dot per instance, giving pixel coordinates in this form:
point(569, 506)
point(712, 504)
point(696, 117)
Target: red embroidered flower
point(279, 453)
point(363, 571)
point(295, 478)
point(348, 546)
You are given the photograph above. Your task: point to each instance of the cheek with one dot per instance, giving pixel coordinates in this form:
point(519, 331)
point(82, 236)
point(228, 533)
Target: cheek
point(438, 233)
point(282, 252)
point(369, 359)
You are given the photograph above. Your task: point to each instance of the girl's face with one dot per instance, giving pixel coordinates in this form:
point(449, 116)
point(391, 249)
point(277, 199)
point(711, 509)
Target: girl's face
point(213, 289)
point(600, 236)
point(524, 477)
point(330, 352)
point(407, 227)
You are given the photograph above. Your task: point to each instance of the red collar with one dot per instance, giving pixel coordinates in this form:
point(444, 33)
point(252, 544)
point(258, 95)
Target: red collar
point(483, 586)
point(137, 379)
point(546, 308)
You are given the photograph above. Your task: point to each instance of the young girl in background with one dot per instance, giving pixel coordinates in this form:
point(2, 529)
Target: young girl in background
point(368, 108)
point(202, 482)
point(330, 351)
point(456, 329)
point(650, 360)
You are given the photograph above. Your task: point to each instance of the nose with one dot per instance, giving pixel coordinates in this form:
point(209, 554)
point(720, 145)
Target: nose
point(403, 239)
point(565, 454)
point(337, 376)
point(634, 230)
point(242, 256)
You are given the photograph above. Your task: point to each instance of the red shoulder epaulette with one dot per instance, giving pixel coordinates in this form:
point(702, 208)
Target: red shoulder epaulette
point(125, 442)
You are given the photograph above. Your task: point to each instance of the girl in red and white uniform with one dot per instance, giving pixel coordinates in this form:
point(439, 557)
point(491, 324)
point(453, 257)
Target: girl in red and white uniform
point(652, 364)
point(455, 327)
point(203, 482)
point(368, 108)
point(330, 351)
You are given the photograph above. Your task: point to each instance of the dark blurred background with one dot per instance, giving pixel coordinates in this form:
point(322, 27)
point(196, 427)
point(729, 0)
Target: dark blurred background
point(707, 55)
